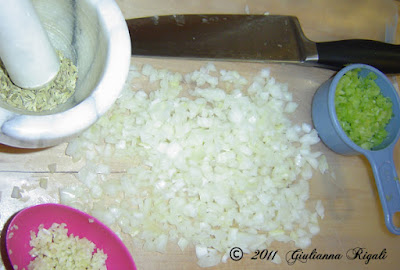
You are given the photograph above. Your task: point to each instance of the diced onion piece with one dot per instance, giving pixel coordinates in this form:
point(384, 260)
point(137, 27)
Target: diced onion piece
point(16, 193)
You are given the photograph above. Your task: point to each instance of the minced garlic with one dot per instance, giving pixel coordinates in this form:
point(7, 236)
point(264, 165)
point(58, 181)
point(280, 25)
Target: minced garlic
point(53, 248)
point(42, 99)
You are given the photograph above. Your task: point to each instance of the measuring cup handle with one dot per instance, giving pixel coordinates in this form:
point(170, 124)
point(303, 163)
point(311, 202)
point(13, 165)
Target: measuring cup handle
point(388, 184)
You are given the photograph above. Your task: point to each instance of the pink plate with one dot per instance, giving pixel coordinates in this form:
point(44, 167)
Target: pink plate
point(78, 223)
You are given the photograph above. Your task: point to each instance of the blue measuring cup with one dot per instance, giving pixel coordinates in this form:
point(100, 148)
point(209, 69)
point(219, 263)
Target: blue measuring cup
point(381, 157)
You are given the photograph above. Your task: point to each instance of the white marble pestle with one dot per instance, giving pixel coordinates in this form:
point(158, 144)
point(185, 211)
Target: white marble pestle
point(25, 49)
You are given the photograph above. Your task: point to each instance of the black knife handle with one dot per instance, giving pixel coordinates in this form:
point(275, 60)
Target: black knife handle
point(383, 56)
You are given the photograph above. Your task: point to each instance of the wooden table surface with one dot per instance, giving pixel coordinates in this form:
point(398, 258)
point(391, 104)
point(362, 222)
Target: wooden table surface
point(353, 215)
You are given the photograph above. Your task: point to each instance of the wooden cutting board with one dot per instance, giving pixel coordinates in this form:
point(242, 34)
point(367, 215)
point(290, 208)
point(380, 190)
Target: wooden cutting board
point(353, 215)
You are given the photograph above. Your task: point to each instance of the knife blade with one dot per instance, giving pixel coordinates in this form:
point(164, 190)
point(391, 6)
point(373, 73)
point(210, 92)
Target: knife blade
point(258, 38)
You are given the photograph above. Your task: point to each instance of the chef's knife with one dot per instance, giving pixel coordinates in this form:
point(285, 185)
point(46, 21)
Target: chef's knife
point(260, 38)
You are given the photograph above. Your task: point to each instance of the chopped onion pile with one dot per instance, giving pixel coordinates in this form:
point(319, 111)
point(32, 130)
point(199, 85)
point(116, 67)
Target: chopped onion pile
point(219, 167)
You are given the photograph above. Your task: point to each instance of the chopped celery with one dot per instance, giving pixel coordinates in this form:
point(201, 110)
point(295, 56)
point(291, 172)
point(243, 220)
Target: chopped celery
point(362, 110)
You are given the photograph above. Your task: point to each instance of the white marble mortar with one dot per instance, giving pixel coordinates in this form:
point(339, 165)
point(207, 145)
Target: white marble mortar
point(93, 33)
